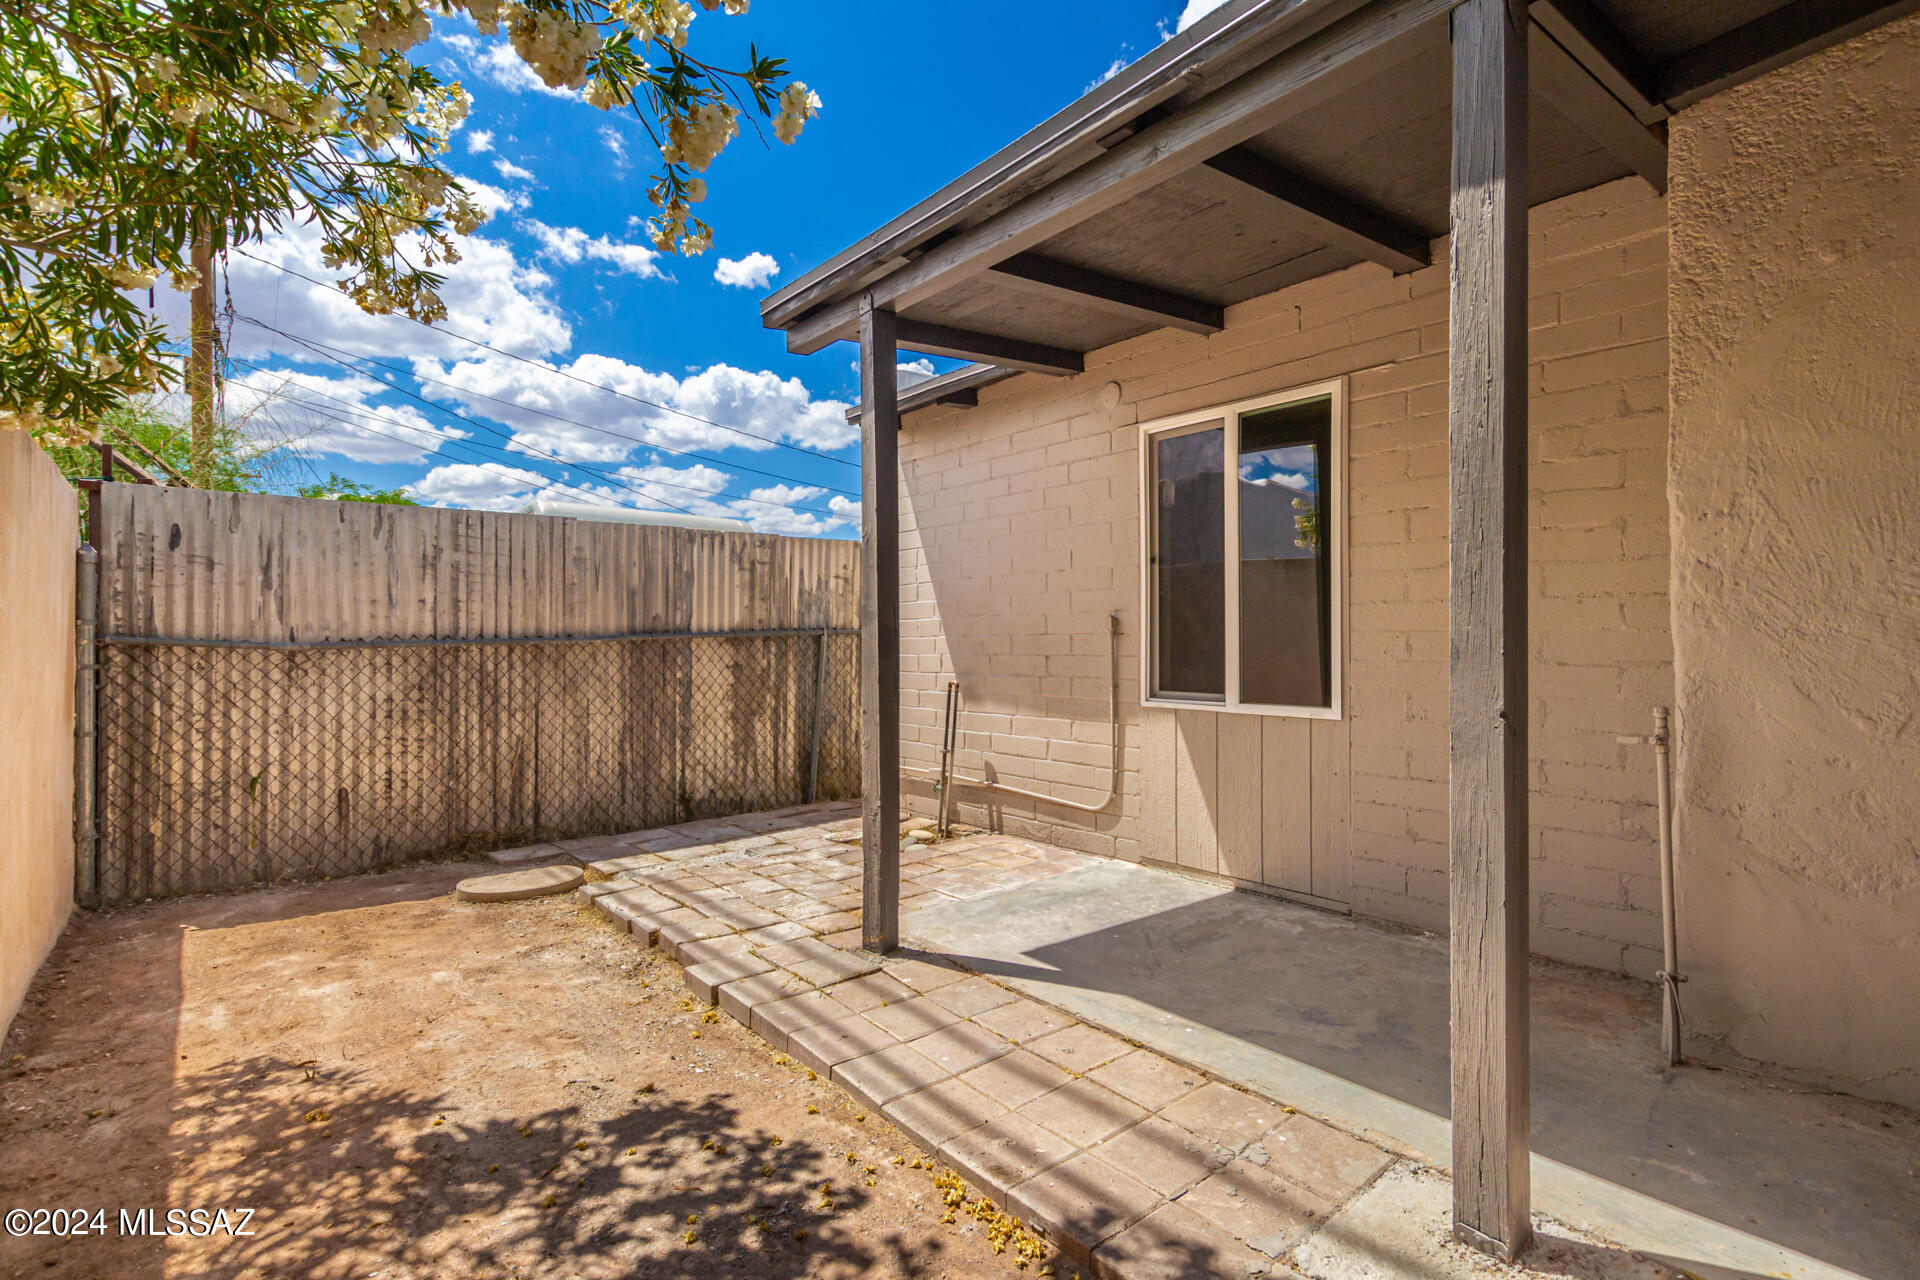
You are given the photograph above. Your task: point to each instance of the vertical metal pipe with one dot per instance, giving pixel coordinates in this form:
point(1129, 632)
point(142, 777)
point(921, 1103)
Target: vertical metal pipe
point(819, 699)
point(86, 842)
point(949, 737)
point(1670, 977)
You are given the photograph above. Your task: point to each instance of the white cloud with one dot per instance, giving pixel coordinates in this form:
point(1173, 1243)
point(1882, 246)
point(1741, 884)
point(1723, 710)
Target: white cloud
point(1194, 11)
point(480, 140)
point(690, 488)
point(755, 271)
point(495, 200)
point(490, 295)
point(499, 298)
point(499, 65)
point(489, 487)
point(906, 373)
point(511, 171)
point(654, 487)
point(1114, 68)
point(313, 413)
point(615, 144)
point(734, 408)
point(571, 244)
point(846, 508)
point(763, 404)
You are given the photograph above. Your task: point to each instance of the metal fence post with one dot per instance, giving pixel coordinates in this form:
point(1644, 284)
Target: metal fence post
point(819, 700)
point(86, 840)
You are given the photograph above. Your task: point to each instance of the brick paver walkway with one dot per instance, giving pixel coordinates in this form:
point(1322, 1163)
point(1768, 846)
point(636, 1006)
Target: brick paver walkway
point(1129, 1163)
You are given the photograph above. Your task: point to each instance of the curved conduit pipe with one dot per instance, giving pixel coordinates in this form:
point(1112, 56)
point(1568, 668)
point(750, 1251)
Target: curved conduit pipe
point(1113, 736)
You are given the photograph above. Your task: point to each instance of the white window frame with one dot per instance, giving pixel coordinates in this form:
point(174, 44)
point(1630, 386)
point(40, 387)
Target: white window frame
point(1335, 493)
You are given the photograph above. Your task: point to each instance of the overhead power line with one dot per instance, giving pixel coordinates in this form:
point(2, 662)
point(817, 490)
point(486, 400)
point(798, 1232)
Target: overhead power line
point(562, 373)
point(341, 355)
point(538, 481)
point(705, 493)
point(361, 417)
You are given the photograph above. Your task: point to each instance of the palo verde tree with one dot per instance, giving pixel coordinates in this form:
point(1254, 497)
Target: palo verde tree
point(132, 131)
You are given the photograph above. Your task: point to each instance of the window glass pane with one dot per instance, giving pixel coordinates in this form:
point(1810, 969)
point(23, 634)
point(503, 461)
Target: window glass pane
point(1286, 621)
point(1190, 537)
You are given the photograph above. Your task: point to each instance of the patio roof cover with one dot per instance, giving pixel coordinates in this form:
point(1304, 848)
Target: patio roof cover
point(1272, 142)
point(1277, 141)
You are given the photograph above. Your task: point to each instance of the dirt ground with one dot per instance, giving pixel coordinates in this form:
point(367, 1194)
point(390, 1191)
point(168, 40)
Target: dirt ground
point(401, 1085)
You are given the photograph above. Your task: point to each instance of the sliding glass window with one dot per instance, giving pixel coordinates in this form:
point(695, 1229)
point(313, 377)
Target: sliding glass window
point(1243, 564)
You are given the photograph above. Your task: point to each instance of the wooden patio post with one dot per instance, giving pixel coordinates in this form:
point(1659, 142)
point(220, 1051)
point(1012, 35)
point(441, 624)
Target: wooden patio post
point(879, 628)
point(1487, 674)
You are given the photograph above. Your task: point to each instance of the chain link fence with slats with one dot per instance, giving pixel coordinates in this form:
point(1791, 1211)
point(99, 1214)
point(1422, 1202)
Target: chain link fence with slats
point(224, 764)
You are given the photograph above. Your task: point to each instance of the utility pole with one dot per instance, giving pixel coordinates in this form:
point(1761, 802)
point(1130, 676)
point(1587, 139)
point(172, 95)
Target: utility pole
point(200, 357)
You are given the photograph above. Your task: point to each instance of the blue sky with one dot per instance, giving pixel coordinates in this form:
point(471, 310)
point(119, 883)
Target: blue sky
point(563, 277)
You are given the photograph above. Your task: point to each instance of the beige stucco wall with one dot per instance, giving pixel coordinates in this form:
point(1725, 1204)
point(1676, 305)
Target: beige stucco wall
point(38, 521)
point(1021, 534)
point(1796, 562)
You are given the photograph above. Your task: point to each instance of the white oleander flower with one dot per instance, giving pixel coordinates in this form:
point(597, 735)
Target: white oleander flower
point(798, 104)
point(694, 140)
point(188, 113)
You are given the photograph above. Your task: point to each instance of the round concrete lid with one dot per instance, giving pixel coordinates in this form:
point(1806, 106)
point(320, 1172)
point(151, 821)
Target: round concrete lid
point(510, 886)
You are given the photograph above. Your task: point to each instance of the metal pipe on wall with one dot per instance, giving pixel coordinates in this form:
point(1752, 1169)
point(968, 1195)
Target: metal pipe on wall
point(1669, 976)
point(1113, 736)
point(948, 742)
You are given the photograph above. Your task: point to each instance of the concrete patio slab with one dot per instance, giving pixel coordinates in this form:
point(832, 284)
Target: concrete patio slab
point(1060, 1022)
point(1400, 1230)
point(1727, 1174)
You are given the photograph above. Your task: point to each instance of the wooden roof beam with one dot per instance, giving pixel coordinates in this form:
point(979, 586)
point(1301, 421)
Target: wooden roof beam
point(1772, 40)
point(1050, 278)
point(988, 348)
point(1303, 76)
point(1249, 178)
point(1608, 56)
point(1579, 96)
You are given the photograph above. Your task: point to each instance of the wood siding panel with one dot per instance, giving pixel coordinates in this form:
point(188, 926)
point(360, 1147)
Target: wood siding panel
point(1332, 817)
point(1286, 791)
point(1157, 786)
point(1195, 775)
point(1238, 797)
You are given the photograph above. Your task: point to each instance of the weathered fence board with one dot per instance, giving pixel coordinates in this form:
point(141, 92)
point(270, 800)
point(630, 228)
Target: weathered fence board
point(294, 688)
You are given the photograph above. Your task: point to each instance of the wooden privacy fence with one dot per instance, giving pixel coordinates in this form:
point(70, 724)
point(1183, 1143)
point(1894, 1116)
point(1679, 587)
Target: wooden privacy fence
point(291, 688)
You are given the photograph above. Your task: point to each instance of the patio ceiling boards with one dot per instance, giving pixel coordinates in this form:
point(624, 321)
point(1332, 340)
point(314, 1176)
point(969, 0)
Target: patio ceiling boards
point(1275, 141)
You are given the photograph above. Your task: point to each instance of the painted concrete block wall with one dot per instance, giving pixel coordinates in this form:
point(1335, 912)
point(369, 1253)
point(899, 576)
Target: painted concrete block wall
point(1022, 534)
point(39, 519)
point(1796, 562)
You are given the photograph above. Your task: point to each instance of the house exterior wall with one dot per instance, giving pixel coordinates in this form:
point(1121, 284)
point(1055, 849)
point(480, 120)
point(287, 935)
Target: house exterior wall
point(1021, 534)
point(39, 518)
point(1796, 562)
